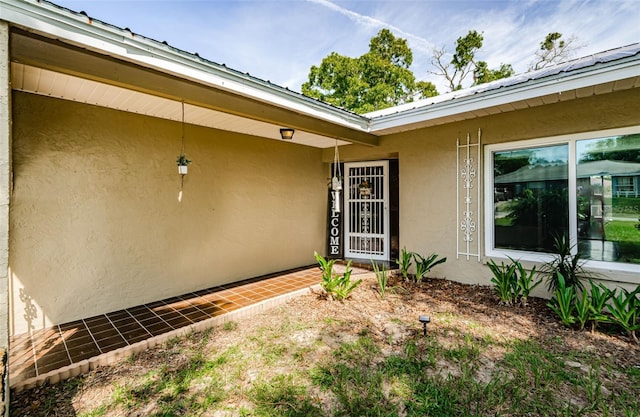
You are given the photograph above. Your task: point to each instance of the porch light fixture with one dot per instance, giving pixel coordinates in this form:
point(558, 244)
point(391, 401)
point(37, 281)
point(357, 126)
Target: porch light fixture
point(286, 133)
point(424, 320)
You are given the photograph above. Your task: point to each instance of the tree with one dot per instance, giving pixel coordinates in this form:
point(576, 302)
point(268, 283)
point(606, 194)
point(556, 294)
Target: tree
point(378, 79)
point(482, 74)
point(464, 63)
point(553, 49)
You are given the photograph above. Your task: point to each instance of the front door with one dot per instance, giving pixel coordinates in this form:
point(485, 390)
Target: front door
point(366, 220)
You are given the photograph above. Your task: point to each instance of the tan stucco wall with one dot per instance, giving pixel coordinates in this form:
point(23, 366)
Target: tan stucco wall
point(5, 192)
point(96, 224)
point(427, 170)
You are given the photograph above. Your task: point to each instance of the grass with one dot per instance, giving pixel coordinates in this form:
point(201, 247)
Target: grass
point(332, 366)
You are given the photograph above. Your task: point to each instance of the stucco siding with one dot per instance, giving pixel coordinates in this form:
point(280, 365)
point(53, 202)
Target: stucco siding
point(427, 171)
point(96, 224)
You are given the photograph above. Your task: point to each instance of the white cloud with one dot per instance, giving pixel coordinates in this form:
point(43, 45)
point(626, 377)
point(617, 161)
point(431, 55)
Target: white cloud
point(280, 40)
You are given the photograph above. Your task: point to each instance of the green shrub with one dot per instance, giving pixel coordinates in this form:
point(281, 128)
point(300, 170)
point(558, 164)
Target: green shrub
point(382, 278)
point(424, 265)
point(563, 301)
point(512, 282)
point(625, 311)
point(564, 264)
point(404, 263)
point(504, 280)
point(336, 286)
point(598, 297)
point(524, 282)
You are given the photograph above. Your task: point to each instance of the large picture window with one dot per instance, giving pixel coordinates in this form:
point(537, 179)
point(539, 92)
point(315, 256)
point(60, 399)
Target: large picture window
point(584, 187)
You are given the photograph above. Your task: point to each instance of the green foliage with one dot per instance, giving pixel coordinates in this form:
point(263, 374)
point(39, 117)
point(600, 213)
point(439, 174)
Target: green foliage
point(405, 262)
point(589, 306)
point(424, 265)
point(482, 74)
point(599, 296)
point(282, 396)
point(553, 49)
point(563, 301)
point(335, 285)
point(564, 264)
point(513, 283)
point(525, 281)
point(466, 48)
point(582, 309)
point(382, 278)
point(378, 79)
point(504, 280)
point(183, 160)
point(625, 311)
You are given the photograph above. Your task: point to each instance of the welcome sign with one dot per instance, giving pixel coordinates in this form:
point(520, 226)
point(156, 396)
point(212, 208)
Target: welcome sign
point(334, 227)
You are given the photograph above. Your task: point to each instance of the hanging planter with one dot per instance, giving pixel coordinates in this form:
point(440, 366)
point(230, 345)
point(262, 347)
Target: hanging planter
point(182, 162)
point(336, 183)
point(364, 188)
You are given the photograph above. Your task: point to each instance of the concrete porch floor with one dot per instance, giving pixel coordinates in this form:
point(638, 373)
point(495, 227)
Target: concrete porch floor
point(70, 349)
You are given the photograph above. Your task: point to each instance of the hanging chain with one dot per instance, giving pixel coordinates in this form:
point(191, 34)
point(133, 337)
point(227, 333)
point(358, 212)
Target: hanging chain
point(182, 134)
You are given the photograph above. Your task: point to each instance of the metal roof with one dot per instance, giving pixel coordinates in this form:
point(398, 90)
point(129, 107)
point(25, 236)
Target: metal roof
point(605, 72)
point(629, 52)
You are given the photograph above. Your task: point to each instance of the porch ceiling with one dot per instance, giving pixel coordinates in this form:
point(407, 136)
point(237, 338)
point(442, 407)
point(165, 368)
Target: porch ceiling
point(54, 69)
point(49, 83)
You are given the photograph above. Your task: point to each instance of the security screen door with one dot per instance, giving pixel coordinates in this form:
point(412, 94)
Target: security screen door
point(366, 220)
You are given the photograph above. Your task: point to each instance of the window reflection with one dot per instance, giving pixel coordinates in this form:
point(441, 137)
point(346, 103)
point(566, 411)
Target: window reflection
point(608, 197)
point(530, 197)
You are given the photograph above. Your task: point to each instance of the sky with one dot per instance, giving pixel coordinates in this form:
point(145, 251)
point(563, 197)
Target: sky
point(279, 40)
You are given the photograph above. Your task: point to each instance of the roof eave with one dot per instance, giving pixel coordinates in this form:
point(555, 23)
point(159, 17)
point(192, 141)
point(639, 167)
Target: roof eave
point(55, 22)
point(556, 84)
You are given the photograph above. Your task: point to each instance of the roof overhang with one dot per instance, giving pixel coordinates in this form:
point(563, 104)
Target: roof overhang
point(76, 56)
point(68, 55)
point(454, 107)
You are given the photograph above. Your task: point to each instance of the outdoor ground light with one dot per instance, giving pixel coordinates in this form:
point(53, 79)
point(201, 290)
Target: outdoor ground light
point(286, 133)
point(424, 320)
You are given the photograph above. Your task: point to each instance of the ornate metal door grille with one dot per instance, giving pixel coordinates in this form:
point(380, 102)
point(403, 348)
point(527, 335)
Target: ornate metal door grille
point(468, 187)
point(367, 210)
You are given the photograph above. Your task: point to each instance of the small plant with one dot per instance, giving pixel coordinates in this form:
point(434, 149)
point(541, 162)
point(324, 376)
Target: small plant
point(565, 264)
point(599, 295)
point(335, 285)
point(524, 282)
point(183, 160)
point(382, 278)
point(582, 309)
point(563, 301)
point(424, 265)
point(505, 280)
point(512, 281)
point(625, 311)
point(405, 262)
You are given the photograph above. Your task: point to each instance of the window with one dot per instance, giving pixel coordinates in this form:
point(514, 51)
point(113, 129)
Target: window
point(583, 186)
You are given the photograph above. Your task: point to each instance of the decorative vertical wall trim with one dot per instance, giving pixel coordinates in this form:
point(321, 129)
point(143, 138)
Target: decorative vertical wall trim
point(467, 190)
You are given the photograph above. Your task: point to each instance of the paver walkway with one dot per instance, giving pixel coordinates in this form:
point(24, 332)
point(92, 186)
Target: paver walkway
point(69, 349)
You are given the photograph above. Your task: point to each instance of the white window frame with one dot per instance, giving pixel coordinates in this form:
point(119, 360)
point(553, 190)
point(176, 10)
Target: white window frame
point(489, 150)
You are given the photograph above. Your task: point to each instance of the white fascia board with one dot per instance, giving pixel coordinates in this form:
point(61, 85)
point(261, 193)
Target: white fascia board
point(590, 76)
point(57, 23)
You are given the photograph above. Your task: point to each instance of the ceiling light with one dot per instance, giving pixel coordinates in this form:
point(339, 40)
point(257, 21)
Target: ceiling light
point(286, 133)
